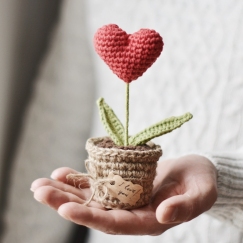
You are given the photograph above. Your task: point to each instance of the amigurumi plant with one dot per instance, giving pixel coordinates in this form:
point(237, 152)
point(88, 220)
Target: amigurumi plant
point(121, 168)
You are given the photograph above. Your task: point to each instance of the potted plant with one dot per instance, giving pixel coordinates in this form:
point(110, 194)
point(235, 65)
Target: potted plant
point(122, 167)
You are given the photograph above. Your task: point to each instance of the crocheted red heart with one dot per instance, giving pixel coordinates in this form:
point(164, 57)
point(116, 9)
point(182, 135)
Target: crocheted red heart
point(128, 56)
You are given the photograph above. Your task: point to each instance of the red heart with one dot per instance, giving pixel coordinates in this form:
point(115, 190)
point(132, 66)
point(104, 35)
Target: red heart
point(128, 56)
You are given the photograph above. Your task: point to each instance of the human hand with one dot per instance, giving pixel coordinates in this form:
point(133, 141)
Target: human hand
point(183, 189)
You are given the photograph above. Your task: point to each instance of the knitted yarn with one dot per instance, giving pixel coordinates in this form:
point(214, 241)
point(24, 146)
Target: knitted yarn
point(127, 55)
point(138, 167)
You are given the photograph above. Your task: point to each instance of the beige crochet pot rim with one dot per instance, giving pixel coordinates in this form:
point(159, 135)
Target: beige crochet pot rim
point(138, 167)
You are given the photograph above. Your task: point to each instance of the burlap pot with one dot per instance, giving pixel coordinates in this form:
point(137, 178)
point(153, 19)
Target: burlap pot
point(138, 167)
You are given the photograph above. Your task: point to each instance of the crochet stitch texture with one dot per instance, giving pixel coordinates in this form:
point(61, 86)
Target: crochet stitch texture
point(127, 55)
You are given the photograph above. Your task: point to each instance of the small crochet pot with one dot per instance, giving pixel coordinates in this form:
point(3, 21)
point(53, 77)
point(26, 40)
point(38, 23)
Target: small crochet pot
point(138, 167)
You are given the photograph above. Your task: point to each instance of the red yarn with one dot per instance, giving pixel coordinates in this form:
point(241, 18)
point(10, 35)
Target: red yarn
point(128, 56)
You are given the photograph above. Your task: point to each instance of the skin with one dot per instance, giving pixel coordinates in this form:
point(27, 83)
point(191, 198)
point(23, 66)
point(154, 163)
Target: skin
point(184, 188)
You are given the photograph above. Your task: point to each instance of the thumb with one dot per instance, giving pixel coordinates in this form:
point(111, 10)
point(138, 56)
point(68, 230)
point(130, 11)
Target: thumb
point(178, 209)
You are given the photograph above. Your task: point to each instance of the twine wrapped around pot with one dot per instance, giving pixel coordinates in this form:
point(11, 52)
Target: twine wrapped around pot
point(138, 167)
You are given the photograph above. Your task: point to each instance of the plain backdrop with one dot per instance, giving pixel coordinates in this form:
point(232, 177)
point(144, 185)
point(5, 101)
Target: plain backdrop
point(25, 27)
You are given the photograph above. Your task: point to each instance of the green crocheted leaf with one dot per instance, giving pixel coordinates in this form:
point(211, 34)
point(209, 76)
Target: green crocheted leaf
point(112, 124)
point(158, 129)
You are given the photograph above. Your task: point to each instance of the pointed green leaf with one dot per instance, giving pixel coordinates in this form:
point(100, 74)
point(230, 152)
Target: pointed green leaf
point(112, 124)
point(158, 129)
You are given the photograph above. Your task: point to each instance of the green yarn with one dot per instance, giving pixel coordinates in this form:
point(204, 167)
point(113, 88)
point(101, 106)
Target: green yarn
point(120, 136)
point(111, 123)
point(127, 115)
point(158, 129)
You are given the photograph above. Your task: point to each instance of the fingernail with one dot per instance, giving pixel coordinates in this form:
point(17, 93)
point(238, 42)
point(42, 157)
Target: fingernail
point(39, 200)
point(33, 187)
point(174, 215)
point(53, 175)
point(63, 215)
point(171, 214)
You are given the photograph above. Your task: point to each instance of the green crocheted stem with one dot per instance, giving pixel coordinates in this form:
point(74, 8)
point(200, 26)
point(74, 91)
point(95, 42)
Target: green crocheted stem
point(111, 123)
point(127, 116)
point(158, 129)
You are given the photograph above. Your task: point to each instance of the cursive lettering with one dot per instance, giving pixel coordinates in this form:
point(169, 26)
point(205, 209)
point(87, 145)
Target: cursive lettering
point(122, 193)
point(129, 189)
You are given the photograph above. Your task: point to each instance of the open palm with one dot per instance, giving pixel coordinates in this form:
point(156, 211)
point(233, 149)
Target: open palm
point(183, 189)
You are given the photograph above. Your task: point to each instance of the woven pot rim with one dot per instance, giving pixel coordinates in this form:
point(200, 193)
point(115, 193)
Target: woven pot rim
point(92, 142)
